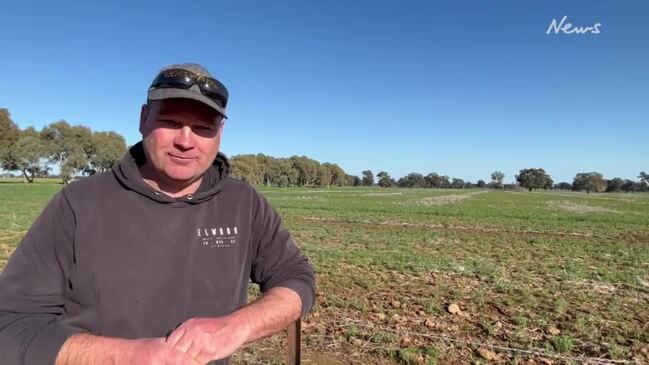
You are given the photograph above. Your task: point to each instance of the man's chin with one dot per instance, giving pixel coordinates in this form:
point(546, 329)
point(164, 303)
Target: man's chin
point(182, 176)
point(180, 179)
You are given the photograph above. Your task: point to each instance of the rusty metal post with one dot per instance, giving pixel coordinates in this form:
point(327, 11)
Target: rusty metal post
point(294, 343)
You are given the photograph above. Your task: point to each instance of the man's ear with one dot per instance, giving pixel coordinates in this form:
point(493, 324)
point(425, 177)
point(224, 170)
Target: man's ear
point(144, 113)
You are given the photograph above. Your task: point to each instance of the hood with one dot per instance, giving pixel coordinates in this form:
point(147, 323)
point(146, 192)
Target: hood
point(127, 172)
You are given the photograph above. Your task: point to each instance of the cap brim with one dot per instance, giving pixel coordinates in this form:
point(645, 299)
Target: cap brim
point(169, 93)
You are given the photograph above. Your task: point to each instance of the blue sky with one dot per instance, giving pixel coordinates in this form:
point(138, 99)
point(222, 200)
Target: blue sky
point(461, 88)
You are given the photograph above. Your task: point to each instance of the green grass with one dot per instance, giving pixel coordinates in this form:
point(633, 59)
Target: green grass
point(390, 261)
point(38, 180)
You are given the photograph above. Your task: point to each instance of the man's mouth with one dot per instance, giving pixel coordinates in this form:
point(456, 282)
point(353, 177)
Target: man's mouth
point(182, 160)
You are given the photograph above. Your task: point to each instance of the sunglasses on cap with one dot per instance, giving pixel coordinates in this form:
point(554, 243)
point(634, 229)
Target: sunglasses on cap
point(183, 79)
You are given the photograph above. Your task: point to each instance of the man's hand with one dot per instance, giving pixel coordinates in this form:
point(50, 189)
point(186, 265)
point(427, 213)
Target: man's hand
point(207, 339)
point(156, 351)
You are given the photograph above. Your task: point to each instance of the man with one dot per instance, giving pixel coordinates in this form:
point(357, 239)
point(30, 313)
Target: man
point(150, 263)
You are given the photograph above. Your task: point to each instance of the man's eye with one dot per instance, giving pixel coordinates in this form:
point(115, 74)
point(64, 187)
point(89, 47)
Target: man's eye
point(171, 123)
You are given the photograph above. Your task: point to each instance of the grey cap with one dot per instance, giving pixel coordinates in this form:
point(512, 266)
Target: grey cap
point(194, 92)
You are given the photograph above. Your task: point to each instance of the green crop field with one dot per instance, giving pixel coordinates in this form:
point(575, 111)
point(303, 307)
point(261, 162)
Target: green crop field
point(452, 276)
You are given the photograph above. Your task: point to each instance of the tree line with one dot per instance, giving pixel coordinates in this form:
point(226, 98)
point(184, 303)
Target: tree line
point(530, 179)
point(584, 181)
point(77, 150)
point(294, 171)
point(74, 149)
point(432, 180)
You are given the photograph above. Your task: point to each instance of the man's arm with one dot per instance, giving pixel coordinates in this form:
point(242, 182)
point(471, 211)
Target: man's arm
point(286, 280)
point(31, 289)
point(207, 339)
point(215, 337)
point(271, 313)
point(277, 261)
point(86, 349)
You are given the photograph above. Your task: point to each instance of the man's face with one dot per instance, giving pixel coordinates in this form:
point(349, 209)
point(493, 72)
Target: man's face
point(181, 138)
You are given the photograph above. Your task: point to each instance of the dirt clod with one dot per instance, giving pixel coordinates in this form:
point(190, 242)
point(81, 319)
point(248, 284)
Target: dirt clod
point(430, 323)
point(554, 331)
point(454, 309)
point(488, 354)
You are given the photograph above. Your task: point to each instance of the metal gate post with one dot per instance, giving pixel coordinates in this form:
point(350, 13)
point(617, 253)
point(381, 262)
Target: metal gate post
point(294, 343)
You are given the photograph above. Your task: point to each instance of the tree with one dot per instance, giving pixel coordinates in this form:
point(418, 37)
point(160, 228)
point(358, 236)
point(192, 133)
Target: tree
point(353, 180)
point(642, 186)
point(634, 186)
point(338, 176)
point(246, 168)
point(627, 186)
point(412, 180)
point(548, 182)
point(324, 175)
point(271, 172)
point(457, 183)
point(29, 155)
point(384, 179)
point(307, 170)
point(497, 178)
point(563, 186)
point(9, 134)
point(614, 185)
point(481, 184)
point(534, 179)
point(644, 177)
point(368, 178)
point(589, 181)
point(433, 180)
point(69, 146)
point(330, 175)
point(276, 171)
point(444, 182)
point(288, 175)
point(110, 147)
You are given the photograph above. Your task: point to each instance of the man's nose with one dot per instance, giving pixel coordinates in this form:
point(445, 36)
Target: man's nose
point(184, 137)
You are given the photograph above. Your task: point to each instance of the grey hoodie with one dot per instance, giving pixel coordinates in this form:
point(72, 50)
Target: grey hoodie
point(110, 256)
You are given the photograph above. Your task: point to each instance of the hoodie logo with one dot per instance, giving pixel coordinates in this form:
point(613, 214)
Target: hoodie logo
point(217, 236)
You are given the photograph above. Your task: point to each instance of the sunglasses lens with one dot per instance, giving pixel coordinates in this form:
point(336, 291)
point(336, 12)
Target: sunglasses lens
point(212, 90)
point(215, 96)
point(179, 82)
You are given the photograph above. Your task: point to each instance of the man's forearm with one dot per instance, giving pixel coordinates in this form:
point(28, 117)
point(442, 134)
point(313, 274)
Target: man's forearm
point(271, 313)
point(211, 338)
point(83, 348)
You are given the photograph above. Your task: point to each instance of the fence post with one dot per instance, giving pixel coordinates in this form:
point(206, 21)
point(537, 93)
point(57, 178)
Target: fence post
point(294, 343)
